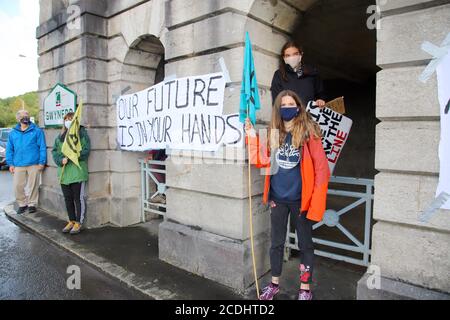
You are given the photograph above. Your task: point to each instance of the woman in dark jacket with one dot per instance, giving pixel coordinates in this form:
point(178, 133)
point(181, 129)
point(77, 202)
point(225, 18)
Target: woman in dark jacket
point(296, 76)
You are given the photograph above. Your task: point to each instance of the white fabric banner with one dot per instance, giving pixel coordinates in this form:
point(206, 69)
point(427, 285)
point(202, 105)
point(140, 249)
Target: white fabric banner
point(183, 113)
point(335, 130)
point(443, 77)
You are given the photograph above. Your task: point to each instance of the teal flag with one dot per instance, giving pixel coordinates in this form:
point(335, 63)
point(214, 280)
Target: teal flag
point(249, 90)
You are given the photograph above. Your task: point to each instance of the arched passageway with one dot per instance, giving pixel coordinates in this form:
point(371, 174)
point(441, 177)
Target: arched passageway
point(336, 39)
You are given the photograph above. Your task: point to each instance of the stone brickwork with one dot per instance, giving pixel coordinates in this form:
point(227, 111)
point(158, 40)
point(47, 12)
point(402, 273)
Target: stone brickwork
point(120, 45)
point(407, 140)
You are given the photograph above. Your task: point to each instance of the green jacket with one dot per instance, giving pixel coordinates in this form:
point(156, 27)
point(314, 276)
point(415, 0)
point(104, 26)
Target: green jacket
point(72, 173)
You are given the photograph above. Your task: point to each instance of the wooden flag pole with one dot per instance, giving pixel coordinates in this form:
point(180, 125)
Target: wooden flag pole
point(251, 216)
point(62, 172)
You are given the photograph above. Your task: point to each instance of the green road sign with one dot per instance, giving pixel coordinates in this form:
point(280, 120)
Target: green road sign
point(61, 100)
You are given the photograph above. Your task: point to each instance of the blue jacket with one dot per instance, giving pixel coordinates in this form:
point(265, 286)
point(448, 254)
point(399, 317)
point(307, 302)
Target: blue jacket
point(26, 148)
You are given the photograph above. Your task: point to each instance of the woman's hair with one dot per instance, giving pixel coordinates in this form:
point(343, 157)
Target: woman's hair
point(282, 67)
point(67, 116)
point(303, 125)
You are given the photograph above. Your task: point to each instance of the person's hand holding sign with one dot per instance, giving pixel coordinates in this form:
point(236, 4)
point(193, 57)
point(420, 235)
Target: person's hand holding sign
point(64, 161)
point(320, 103)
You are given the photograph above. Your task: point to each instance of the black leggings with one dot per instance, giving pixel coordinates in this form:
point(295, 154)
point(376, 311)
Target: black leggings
point(75, 198)
point(279, 221)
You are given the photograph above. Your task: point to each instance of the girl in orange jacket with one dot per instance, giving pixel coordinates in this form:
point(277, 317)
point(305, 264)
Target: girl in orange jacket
point(296, 183)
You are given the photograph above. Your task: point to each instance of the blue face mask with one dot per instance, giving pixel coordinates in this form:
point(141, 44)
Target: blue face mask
point(287, 114)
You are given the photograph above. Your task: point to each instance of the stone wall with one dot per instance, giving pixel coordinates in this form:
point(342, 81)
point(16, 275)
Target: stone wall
point(78, 58)
point(119, 46)
point(407, 140)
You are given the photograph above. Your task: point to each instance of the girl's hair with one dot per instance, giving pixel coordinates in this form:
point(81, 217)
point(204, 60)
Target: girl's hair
point(303, 125)
point(282, 67)
point(67, 116)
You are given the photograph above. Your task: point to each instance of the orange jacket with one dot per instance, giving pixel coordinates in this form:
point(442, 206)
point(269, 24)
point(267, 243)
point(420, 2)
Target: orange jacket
point(314, 171)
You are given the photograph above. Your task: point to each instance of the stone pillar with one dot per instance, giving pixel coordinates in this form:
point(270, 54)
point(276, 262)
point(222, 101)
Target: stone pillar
point(206, 227)
point(134, 53)
point(98, 61)
point(413, 257)
point(76, 56)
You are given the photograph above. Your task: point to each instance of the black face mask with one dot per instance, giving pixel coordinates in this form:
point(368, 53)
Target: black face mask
point(25, 120)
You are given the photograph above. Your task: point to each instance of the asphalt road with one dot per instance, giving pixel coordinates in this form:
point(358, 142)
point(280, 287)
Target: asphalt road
point(31, 268)
point(6, 192)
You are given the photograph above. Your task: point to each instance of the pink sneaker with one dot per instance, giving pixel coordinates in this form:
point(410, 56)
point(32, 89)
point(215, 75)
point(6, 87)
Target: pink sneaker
point(305, 295)
point(305, 274)
point(269, 292)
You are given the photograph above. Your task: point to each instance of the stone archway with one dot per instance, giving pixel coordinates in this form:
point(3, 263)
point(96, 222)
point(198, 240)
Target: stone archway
point(405, 175)
point(196, 41)
point(141, 66)
point(336, 40)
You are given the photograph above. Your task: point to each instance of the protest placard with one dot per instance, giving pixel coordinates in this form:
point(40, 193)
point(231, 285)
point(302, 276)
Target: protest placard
point(184, 113)
point(335, 129)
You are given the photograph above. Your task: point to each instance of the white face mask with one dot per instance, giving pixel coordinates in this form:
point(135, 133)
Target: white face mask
point(67, 123)
point(293, 61)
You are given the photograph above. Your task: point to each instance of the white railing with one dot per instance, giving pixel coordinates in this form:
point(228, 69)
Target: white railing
point(152, 187)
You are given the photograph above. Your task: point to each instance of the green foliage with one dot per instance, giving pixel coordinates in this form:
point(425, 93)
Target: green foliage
point(10, 106)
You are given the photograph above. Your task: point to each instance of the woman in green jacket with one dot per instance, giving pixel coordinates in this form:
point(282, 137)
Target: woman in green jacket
point(73, 180)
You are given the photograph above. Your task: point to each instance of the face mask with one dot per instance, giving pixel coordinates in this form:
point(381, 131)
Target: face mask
point(287, 114)
point(25, 120)
point(67, 123)
point(293, 61)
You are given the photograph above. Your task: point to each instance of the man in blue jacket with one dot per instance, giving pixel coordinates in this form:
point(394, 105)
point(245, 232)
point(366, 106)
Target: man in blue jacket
point(26, 156)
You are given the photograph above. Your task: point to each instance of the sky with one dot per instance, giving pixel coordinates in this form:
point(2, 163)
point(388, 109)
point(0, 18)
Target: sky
point(18, 22)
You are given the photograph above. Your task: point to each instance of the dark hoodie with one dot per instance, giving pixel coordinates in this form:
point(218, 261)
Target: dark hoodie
point(307, 86)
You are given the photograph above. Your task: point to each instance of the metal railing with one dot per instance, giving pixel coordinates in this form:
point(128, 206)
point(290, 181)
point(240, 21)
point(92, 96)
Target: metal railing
point(332, 219)
point(152, 187)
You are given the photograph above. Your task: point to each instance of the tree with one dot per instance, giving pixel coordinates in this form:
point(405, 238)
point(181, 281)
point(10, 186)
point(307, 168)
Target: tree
point(10, 106)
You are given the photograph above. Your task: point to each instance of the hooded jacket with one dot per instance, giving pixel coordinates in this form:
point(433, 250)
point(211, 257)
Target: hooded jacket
point(72, 173)
point(26, 148)
point(308, 86)
point(314, 169)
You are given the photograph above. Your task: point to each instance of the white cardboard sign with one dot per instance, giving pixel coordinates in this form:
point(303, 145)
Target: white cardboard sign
point(183, 113)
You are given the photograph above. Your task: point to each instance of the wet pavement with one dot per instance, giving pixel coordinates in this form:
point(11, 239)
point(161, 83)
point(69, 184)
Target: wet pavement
point(133, 252)
point(34, 268)
point(332, 280)
point(6, 184)
point(31, 268)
